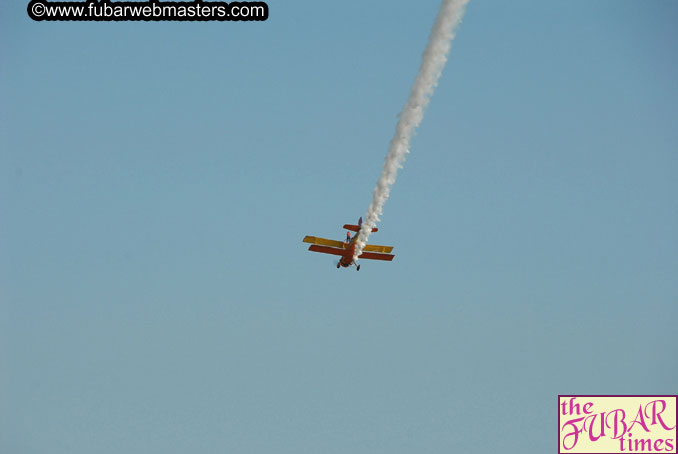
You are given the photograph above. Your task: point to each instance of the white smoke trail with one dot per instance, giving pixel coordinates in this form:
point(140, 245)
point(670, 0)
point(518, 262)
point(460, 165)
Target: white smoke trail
point(433, 62)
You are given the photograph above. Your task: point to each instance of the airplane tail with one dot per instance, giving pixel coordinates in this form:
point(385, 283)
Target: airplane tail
point(356, 228)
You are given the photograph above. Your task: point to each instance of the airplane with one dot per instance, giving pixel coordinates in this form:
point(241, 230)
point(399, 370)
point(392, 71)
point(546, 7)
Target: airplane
point(346, 249)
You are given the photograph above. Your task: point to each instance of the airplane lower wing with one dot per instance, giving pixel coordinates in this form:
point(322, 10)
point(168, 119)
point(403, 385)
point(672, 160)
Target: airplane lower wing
point(326, 250)
point(364, 255)
point(374, 256)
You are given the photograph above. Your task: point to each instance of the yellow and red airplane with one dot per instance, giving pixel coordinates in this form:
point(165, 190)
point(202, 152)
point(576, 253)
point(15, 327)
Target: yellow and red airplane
point(346, 249)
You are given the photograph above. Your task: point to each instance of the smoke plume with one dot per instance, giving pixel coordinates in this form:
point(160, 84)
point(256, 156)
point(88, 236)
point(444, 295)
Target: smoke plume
point(433, 62)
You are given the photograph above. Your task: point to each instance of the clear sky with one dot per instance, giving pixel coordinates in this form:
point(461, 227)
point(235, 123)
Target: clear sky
point(158, 178)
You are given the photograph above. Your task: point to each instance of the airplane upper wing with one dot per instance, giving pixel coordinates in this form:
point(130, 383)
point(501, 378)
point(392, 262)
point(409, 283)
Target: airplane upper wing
point(375, 248)
point(324, 242)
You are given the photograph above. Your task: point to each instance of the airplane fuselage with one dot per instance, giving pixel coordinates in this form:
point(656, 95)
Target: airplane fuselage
point(347, 259)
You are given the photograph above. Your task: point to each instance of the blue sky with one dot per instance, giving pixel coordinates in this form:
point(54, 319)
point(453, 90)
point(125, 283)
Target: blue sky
point(158, 179)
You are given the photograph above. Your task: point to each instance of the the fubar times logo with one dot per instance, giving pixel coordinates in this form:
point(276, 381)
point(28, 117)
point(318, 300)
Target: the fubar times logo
point(617, 424)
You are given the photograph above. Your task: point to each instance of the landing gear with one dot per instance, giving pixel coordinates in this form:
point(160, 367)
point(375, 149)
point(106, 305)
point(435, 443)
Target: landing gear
point(358, 268)
point(338, 265)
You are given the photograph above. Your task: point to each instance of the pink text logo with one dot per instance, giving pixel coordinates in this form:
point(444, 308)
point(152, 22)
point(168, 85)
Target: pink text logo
point(617, 424)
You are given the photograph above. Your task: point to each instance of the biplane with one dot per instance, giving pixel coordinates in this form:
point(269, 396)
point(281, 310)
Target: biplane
point(346, 249)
